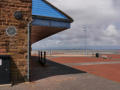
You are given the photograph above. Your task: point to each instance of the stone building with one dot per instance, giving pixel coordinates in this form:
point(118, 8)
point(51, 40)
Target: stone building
point(22, 23)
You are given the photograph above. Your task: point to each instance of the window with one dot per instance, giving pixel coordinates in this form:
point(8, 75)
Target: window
point(11, 31)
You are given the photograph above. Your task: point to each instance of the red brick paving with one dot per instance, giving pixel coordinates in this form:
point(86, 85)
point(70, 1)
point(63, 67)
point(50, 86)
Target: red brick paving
point(109, 71)
point(80, 59)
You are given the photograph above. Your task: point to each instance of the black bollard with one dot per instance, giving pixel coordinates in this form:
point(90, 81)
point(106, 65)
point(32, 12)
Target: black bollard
point(97, 55)
point(44, 55)
point(39, 56)
point(42, 58)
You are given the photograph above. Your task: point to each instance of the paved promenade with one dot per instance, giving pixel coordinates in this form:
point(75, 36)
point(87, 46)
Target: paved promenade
point(83, 74)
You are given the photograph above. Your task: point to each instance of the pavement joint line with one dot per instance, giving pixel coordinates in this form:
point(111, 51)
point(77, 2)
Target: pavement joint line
point(91, 63)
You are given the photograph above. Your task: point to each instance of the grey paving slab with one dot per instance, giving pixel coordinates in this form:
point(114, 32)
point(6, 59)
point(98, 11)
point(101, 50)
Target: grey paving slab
point(68, 82)
point(92, 63)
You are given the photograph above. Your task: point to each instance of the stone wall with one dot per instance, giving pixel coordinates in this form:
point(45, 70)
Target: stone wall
point(16, 46)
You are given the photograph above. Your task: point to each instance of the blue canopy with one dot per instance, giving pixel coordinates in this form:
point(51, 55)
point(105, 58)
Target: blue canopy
point(45, 14)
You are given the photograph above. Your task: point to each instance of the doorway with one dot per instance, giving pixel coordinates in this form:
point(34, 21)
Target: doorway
point(4, 69)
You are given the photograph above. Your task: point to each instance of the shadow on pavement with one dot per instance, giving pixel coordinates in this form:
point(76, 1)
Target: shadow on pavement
point(38, 72)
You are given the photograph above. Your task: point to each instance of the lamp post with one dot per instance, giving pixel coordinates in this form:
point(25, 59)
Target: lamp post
point(85, 39)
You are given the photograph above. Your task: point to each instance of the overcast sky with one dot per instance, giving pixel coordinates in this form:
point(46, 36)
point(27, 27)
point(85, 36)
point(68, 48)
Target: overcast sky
point(102, 20)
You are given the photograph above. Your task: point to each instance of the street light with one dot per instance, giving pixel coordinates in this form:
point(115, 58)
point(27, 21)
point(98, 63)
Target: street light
point(85, 41)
